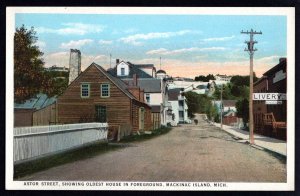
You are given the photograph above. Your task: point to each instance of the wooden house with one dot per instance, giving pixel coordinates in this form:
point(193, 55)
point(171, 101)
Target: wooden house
point(96, 96)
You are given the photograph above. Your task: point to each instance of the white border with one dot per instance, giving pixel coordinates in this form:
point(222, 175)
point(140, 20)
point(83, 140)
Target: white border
point(289, 12)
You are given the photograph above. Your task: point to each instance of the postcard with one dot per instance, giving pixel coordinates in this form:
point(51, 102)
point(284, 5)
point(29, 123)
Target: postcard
point(140, 98)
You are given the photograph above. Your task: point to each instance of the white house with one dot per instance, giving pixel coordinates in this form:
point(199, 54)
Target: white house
point(223, 78)
point(228, 105)
point(179, 108)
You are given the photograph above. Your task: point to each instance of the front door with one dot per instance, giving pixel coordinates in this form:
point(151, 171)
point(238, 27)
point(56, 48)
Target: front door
point(141, 118)
point(100, 113)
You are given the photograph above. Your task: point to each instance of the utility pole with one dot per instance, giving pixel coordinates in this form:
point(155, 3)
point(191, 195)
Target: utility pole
point(251, 51)
point(221, 106)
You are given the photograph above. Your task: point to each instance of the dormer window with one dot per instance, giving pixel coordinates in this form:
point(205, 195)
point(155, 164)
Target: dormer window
point(122, 69)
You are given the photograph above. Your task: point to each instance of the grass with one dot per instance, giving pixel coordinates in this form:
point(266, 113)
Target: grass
point(26, 168)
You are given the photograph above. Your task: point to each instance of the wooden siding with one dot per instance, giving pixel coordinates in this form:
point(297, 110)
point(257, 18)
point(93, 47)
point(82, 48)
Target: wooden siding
point(135, 116)
point(45, 116)
point(155, 119)
point(23, 117)
point(73, 109)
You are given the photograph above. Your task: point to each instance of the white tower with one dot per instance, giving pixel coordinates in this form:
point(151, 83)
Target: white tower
point(74, 64)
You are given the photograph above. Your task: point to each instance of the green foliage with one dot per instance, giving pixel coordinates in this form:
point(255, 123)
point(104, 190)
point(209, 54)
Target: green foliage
point(59, 82)
point(29, 75)
point(205, 78)
point(226, 92)
point(200, 104)
point(242, 107)
point(242, 80)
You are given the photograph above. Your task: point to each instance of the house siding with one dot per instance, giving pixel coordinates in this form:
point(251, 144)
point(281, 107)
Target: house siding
point(73, 109)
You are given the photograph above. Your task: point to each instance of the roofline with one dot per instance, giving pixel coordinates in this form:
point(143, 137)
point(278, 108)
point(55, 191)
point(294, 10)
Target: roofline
point(277, 65)
point(108, 76)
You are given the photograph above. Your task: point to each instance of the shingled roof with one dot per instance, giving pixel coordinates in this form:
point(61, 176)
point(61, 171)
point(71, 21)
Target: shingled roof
point(38, 102)
point(133, 69)
point(119, 83)
point(150, 85)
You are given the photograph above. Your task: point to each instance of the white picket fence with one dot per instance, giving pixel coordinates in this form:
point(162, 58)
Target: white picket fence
point(33, 142)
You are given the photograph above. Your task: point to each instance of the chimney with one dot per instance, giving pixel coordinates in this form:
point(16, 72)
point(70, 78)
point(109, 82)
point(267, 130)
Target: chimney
point(282, 59)
point(74, 64)
point(117, 61)
point(135, 80)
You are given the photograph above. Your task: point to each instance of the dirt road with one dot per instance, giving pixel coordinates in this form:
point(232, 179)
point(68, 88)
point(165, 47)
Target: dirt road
point(187, 153)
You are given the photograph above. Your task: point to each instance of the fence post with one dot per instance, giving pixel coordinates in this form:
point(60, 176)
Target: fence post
point(119, 133)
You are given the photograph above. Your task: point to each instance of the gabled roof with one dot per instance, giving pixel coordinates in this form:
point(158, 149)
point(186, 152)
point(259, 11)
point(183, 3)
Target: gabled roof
point(133, 69)
point(142, 65)
point(40, 101)
point(119, 83)
point(150, 85)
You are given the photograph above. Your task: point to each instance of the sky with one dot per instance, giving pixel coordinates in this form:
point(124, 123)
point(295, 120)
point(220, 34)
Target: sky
point(189, 45)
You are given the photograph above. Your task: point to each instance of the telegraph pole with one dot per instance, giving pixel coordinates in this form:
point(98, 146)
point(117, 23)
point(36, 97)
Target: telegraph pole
point(251, 51)
point(221, 106)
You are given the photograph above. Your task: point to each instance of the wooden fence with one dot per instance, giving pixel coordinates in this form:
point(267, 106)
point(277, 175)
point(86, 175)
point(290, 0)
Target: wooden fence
point(155, 118)
point(45, 116)
point(33, 142)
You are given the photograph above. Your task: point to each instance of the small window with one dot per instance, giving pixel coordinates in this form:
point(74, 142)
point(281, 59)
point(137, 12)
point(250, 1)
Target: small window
point(85, 90)
point(148, 98)
point(122, 71)
point(105, 90)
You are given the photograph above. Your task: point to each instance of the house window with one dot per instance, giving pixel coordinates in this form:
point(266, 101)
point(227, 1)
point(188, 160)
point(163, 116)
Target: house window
point(122, 71)
point(85, 90)
point(148, 98)
point(105, 90)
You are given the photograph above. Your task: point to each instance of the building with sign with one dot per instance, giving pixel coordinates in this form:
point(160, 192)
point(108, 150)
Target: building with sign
point(270, 116)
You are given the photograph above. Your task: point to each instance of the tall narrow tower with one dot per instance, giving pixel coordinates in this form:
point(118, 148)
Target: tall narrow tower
point(74, 64)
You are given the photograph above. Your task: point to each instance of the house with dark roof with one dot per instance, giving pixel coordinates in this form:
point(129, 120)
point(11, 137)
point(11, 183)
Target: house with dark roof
point(178, 107)
point(127, 70)
point(97, 96)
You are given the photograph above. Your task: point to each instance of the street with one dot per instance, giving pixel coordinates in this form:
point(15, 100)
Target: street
point(200, 152)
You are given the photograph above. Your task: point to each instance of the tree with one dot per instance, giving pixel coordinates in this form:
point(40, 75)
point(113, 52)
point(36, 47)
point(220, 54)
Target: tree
point(242, 80)
point(200, 104)
point(226, 92)
point(205, 78)
point(29, 77)
point(242, 107)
